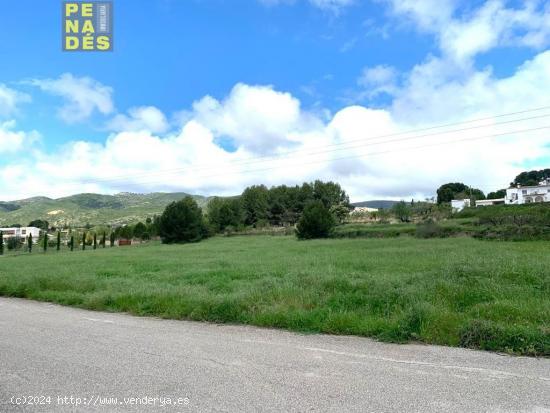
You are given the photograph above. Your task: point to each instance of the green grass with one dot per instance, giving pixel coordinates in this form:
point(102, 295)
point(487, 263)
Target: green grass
point(457, 291)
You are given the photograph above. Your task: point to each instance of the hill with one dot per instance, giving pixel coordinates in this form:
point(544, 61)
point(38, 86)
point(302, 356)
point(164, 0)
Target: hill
point(378, 204)
point(95, 209)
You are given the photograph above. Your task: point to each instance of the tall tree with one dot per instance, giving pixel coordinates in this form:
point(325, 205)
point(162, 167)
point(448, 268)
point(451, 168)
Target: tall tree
point(182, 221)
point(58, 240)
point(255, 201)
point(316, 221)
point(531, 178)
point(457, 190)
point(29, 243)
point(1, 243)
point(83, 241)
point(45, 246)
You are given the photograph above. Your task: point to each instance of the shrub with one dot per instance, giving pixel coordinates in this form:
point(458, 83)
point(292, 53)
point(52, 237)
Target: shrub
point(429, 229)
point(182, 221)
point(316, 222)
point(13, 243)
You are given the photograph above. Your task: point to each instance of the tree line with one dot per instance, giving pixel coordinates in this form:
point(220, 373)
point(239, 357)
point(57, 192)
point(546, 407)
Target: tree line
point(315, 208)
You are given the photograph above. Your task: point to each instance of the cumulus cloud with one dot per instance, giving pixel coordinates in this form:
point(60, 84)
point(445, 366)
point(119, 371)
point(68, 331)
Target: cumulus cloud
point(257, 118)
point(12, 141)
point(147, 118)
point(83, 96)
point(357, 146)
point(10, 100)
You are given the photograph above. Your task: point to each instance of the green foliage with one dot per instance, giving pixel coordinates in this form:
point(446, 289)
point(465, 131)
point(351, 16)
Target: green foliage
point(182, 221)
point(501, 193)
point(13, 243)
point(225, 212)
point(104, 240)
point(77, 210)
point(58, 243)
point(316, 222)
point(430, 229)
point(39, 223)
point(255, 201)
point(511, 222)
point(95, 241)
point(1, 243)
point(139, 230)
point(340, 212)
point(456, 291)
point(112, 239)
point(457, 190)
point(45, 242)
point(72, 243)
point(531, 178)
point(402, 211)
point(29, 243)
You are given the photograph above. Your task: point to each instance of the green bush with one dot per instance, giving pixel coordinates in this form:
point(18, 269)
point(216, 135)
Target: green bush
point(316, 222)
point(182, 221)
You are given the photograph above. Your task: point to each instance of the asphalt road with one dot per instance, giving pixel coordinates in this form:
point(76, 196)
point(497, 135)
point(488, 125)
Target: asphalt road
point(57, 352)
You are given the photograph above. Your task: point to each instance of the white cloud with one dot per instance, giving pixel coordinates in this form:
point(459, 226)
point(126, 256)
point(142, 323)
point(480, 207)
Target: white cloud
point(463, 35)
point(344, 148)
point(10, 99)
point(83, 96)
point(12, 141)
point(148, 118)
point(378, 79)
point(257, 118)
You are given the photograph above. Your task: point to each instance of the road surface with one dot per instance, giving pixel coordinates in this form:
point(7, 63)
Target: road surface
point(68, 359)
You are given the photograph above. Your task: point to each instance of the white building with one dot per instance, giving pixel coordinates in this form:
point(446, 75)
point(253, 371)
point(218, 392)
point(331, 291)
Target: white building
point(22, 232)
point(459, 204)
point(528, 194)
point(359, 210)
point(489, 202)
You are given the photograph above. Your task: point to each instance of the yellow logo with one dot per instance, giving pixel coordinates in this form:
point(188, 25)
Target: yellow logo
point(87, 26)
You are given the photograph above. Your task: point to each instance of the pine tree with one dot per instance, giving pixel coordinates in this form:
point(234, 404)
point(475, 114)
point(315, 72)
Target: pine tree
point(1, 243)
point(58, 240)
point(29, 241)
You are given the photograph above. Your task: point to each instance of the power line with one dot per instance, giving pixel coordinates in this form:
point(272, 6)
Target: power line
point(362, 155)
point(253, 160)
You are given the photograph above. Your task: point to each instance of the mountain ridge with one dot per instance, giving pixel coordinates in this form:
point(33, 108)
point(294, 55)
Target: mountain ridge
point(90, 208)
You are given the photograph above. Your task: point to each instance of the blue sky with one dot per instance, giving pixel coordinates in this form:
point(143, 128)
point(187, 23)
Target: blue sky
point(389, 57)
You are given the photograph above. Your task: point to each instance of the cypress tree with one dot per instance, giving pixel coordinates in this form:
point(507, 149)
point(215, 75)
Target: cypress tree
point(112, 239)
point(72, 243)
point(58, 240)
point(83, 241)
point(104, 239)
point(95, 241)
point(29, 242)
point(45, 246)
point(1, 243)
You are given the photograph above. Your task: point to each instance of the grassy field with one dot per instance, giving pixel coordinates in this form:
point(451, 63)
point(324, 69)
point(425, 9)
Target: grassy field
point(457, 291)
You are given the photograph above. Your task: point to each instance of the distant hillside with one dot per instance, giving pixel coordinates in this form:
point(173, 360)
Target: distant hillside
point(375, 204)
point(95, 209)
